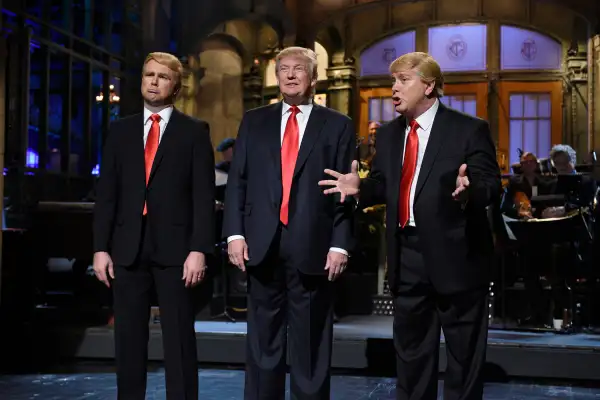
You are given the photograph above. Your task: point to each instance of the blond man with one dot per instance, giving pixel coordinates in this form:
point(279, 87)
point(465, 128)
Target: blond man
point(435, 168)
point(153, 227)
point(292, 241)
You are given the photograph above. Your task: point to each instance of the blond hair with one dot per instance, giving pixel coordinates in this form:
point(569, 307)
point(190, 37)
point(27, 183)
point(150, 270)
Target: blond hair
point(169, 61)
point(295, 51)
point(427, 68)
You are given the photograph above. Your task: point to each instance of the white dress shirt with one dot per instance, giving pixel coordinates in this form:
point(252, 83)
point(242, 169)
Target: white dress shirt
point(165, 116)
point(425, 122)
point(302, 119)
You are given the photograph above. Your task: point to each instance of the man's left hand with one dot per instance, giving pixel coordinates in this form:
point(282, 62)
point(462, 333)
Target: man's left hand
point(462, 184)
point(194, 268)
point(336, 264)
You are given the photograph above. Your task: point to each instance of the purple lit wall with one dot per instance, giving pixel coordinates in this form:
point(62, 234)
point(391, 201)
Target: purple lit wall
point(459, 47)
point(525, 49)
point(376, 60)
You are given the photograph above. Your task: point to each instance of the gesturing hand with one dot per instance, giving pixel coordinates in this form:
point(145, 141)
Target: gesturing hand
point(238, 253)
point(462, 184)
point(346, 185)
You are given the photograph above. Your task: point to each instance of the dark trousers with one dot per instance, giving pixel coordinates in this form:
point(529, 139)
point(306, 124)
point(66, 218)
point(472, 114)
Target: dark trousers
point(286, 305)
point(133, 288)
point(419, 313)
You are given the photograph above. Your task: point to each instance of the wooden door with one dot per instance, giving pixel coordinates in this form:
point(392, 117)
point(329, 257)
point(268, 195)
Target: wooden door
point(470, 98)
point(376, 104)
point(530, 118)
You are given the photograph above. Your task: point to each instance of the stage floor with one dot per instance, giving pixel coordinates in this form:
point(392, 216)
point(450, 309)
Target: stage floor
point(228, 385)
point(365, 342)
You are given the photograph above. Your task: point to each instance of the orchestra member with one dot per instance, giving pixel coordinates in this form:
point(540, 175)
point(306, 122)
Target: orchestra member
point(291, 239)
point(153, 227)
point(528, 184)
point(435, 168)
point(226, 149)
point(367, 150)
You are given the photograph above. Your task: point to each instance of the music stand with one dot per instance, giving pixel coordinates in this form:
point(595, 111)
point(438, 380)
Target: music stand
point(549, 232)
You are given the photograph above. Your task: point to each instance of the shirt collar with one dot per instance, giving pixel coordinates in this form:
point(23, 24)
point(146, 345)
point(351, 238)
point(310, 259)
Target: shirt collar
point(425, 120)
point(304, 108)
point(165, 114)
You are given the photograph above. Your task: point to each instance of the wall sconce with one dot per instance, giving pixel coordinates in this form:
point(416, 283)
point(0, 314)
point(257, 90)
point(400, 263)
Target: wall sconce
point(113, 96)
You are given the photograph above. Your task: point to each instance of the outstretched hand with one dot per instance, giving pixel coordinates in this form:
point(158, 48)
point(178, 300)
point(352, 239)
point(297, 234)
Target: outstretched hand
point(462, 184)
point(346, 185)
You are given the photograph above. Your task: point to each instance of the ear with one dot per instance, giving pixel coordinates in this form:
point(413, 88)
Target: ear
point(430, 88)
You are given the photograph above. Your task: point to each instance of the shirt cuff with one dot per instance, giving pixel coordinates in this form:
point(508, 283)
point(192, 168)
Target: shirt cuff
point(338, 250)
point(234, 237)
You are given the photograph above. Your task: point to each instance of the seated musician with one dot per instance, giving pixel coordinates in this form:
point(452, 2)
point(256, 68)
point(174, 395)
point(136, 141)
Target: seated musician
point(521, 188)
point(563, 158)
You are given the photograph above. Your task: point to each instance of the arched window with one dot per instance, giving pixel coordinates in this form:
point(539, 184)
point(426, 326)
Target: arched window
point(322, 58)
point(522, 49)
point(376, 59)
point(459, 47)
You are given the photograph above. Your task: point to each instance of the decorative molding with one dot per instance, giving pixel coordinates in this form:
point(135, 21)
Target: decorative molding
point(577, 68)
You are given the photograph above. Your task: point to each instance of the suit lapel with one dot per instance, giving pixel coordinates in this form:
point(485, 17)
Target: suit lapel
point(436, 139)
point(168, 138)
point(313, 128)
point(397, 154)
point(272, 125)
point(137, 147)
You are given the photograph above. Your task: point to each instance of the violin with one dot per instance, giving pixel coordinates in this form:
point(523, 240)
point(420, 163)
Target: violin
point(523, 205)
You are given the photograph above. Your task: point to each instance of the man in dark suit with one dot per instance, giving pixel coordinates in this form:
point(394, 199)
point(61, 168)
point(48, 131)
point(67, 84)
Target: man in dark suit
point(293, 240)
point(435, 169)
point(153, 227)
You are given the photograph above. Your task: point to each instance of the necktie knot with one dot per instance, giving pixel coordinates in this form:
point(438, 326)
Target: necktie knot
point(294, 110)
point(414, 125)
point(155, 118)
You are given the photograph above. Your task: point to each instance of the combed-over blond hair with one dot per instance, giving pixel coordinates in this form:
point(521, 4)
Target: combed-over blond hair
point(303, 52)
point(169, 61)
point(427, 68)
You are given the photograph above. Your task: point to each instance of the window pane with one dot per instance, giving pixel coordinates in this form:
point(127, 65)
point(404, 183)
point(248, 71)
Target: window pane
point(36, 104)
point(80, 98)
point(459, 47)
point(544, 105)
point(470, 105)
point(376, 59)
point(389, 113)
point(544, 138)
point(457, 103)
point(98, 129)
point(56, 110)
point(516, 106)
point(375, 109)
point(525, 49)
point(531, 106)
point(516, 140)
point(530, 136)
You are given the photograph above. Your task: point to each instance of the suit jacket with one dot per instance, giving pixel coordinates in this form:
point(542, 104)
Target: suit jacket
point(180, 192)
point(254, 189)
point(456, 238)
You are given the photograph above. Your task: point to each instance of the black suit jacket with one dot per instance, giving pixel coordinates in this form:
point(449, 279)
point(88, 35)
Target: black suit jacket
point(456, 239)
point(254, 189)
point(180, 193)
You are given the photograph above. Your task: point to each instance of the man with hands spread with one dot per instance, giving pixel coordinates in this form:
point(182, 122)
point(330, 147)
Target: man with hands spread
point(435, 169)
point(153, 227)
point(292, 240)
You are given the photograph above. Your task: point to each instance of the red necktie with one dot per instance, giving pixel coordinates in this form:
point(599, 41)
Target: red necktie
point(150, 149)
point(289, 154)
point(408, 172)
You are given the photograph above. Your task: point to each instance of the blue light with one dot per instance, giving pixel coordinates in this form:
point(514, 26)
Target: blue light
point(96, 170)
point(32, 159)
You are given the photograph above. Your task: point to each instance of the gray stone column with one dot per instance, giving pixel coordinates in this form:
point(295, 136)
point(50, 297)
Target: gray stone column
point(577, 96)
point(342, 90)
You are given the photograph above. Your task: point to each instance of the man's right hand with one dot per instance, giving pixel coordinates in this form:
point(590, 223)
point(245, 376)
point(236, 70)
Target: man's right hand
point(238, 253)
point(346, 185)
point(103, 267)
